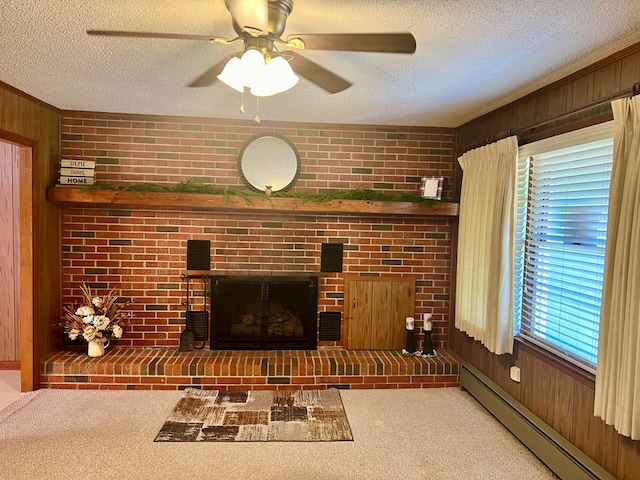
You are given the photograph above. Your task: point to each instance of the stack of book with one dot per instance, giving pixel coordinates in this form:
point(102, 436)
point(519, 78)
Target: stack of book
point(77, 172)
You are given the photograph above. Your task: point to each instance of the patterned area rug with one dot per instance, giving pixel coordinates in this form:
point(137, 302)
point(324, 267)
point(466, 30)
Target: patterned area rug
point(257, 416)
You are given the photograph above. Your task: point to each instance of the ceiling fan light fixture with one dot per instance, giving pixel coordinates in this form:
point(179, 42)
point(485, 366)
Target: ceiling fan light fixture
point(254, 72)
point(277, 77)
point(260, 25)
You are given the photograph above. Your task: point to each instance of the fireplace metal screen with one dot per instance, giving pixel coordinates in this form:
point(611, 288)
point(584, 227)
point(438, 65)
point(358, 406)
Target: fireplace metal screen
point(264, 312)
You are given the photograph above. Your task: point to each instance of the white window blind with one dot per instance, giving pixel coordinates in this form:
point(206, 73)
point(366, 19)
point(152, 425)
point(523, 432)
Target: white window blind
point(522, 209)
point(563, 222)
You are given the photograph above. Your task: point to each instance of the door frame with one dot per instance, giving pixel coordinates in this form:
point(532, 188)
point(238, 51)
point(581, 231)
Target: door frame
point(28, 367)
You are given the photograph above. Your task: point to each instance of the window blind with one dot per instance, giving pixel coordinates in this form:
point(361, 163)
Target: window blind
point(564, 249)
point(520, 231)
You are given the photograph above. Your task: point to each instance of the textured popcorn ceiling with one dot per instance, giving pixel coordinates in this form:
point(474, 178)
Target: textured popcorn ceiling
point(472, 56)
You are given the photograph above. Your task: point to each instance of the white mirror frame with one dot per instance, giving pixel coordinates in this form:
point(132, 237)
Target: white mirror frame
point(269, 159)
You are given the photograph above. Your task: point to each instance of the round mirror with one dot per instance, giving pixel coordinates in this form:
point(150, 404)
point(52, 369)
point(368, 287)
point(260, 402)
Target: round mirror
point(269, 160)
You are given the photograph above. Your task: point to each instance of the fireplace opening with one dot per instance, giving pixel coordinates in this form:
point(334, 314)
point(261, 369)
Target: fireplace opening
point(264, 313)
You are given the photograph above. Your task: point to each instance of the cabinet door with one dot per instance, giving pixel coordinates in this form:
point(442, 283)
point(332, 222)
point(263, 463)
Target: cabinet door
point(360, 302)
point(376, 310)
point(381, 322)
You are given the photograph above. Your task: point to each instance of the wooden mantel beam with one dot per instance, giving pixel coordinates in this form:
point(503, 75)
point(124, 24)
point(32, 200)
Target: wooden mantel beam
point(200, 201)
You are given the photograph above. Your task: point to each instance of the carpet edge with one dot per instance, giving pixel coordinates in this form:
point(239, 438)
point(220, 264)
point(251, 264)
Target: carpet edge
point(25, 399)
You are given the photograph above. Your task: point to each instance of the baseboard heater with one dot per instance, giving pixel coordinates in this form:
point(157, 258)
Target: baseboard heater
point(556, 452)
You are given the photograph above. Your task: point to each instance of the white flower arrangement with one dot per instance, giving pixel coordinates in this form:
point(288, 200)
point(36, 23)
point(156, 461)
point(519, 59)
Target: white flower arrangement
point(98, 319)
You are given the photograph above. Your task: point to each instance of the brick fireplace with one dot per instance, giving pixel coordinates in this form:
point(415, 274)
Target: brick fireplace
point(141, 250)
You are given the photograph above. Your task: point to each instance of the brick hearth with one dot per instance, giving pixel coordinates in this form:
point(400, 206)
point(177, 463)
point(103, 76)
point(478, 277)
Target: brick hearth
point(169, 369)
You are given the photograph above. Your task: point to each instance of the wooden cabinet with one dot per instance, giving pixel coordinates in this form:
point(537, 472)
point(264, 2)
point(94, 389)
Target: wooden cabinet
point(375, 309)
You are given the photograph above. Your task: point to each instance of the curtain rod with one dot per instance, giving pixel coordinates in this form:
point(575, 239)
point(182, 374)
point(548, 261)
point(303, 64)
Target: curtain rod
point(519, 132)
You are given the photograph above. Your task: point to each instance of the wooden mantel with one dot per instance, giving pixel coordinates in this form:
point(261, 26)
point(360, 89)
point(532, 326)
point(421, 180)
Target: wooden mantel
point(201, 201)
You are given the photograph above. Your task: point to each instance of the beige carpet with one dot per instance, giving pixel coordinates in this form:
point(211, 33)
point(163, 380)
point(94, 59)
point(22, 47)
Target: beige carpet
point(257, 416)
point(398, 434)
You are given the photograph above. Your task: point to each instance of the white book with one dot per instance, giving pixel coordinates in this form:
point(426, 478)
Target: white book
point(76, 180)
point(66, 162)
point(77, 172)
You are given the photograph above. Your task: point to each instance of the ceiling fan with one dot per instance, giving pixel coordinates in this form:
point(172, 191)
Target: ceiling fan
point(260, 24)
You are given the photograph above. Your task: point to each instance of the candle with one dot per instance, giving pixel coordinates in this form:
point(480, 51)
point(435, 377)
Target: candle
point(409, 322)
point(426, 322)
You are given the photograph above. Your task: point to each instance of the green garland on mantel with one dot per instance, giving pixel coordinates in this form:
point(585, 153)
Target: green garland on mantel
point(192, 186)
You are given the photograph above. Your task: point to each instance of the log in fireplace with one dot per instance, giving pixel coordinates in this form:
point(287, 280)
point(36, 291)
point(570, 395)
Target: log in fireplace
point(264, 312)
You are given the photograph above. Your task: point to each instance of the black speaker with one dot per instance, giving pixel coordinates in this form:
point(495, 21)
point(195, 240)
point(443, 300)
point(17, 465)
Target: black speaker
point(331, 259)
point(330, 326)
point(198, 254)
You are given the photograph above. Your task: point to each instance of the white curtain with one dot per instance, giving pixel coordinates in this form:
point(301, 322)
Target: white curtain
point(617, 396)
point(484, 282)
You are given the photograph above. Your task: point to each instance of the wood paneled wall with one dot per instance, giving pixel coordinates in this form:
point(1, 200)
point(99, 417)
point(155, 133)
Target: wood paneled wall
point(616, 73)
point(561, 397)
point(26, 121)
point(557, 393)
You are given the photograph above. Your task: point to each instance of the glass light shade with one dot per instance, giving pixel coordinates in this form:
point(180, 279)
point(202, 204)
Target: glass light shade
point(277, 77)
point(252, 61)
point(232, 74)
point(243, 72)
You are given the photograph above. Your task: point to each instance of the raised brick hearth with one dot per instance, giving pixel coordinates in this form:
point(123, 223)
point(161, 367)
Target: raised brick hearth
point(170, 369)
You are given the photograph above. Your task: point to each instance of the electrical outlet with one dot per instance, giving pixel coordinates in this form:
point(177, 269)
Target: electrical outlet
point(514, 373)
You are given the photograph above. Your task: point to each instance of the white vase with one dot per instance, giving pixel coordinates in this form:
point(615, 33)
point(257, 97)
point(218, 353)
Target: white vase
point(95, 348)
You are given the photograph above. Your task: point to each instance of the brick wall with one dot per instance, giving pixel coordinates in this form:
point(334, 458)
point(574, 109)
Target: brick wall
point(142, 251)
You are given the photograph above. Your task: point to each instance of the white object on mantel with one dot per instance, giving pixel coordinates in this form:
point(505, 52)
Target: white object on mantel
point(431, 188)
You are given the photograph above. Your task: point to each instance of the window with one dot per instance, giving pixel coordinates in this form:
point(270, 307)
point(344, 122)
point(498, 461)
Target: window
point(561, 228)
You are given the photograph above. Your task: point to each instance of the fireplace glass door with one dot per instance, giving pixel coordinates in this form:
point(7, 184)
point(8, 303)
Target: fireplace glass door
point(264, 313)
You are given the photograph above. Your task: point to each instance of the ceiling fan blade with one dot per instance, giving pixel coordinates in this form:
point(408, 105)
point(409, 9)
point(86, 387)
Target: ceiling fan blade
point(211, 76)
point(251, 16)
point(313, 72)
point(358, 42)
point(178, 36)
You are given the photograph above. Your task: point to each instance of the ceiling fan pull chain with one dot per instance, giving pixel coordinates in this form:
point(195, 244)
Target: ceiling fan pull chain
point(257, 119)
